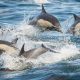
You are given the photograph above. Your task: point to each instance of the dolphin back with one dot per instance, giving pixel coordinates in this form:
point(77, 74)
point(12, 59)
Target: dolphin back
point(6, 43)
point(35, 53)
point(6, 46)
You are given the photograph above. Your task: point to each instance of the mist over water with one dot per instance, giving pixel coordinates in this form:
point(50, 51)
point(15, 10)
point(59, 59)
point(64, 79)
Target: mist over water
point(14, 18)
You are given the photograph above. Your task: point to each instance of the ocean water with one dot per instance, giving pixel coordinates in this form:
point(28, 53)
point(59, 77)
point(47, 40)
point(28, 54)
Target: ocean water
point(63, 65)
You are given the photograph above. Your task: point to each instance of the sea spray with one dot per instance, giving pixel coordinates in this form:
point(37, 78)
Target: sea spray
point(14, 62)
point(20, 63)
point(65, 52)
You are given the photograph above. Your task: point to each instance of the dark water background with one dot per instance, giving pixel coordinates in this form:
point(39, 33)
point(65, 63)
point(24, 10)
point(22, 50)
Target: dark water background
point(13, 12)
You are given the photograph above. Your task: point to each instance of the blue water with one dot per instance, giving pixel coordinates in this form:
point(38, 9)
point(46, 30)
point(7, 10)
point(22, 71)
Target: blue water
point(14, 12)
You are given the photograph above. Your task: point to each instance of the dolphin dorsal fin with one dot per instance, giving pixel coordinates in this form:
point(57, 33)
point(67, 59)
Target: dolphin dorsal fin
point(76, 17)
point(42, 45)
point(22, 50)
point(51, 50)
point(43, 10)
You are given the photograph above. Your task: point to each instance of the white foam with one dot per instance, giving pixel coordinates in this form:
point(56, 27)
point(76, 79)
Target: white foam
point(13, 62)
point(25, 30)
point(65, 53)
point(20, 63)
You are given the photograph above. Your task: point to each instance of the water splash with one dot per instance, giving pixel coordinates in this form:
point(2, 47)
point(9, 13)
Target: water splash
point(66, 52)
point(20, 63)
point(13, 62)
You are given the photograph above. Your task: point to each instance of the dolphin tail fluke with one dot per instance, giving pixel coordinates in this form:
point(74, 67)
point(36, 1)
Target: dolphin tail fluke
point(76, 17)
point(43, 10)
point(51, 50)
point(22, 50)
point(14, 41)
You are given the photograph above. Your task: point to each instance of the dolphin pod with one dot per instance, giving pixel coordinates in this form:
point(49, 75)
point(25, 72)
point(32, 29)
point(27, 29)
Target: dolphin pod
point(75, 28)
point(8, 47)
point(46, 21)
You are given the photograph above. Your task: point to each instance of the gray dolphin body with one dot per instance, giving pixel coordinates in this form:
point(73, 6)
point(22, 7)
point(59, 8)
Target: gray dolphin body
point(31, 54)
point(75, 28)
point(8, 47)
point(34, 53)
point(46, 21)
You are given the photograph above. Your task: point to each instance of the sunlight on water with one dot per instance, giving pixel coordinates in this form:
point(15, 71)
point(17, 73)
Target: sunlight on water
point(14, 18)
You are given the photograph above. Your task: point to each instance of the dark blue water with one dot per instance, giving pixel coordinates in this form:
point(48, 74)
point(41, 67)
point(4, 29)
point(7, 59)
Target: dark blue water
point(13, 12)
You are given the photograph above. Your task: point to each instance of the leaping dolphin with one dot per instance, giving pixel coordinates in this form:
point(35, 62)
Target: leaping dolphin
point(46, 21)
point(75, 28)
point(34, 53)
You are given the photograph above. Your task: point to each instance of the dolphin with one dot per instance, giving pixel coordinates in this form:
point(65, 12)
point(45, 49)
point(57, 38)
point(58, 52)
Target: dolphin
point(30, 54)
point(34, 53)
point(46, 21)
point(8, 47)
point(75, 27)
